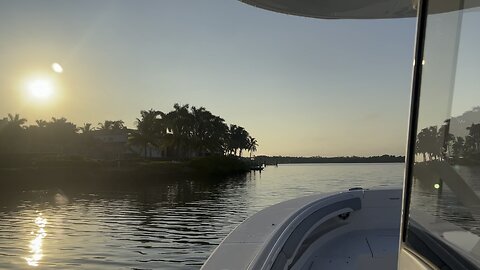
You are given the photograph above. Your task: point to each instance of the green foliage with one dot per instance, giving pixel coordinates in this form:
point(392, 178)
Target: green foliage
point(437, 143)
point(150, 131)
point(183, 133)
point(238, 140)
point(110, 125)
point(12, 134)
point(190, 132)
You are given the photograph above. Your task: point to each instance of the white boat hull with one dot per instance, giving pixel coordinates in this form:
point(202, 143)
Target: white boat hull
point(356, 229)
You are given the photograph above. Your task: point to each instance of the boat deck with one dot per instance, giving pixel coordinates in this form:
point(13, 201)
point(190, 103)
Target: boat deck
point(369, 249)
point(356, 229)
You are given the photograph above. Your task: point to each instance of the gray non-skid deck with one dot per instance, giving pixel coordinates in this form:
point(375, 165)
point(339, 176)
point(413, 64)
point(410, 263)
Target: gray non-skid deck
point(371, 249)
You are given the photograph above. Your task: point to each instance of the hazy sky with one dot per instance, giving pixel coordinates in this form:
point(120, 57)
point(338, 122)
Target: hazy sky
point(301, 86)
point(445, 70)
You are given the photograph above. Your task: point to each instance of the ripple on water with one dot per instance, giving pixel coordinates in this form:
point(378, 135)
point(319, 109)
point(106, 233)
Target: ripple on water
point(175, 226)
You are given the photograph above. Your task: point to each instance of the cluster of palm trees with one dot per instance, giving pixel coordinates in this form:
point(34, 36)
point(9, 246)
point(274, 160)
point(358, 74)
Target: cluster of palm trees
point(55, 136)
point(435, 143)
point(185, 132)
point(190, 131)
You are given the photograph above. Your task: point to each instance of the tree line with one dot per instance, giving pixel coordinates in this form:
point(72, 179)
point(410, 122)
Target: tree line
point(191, 131)
point(437, 143)
point(184, 131)
point(272, 160)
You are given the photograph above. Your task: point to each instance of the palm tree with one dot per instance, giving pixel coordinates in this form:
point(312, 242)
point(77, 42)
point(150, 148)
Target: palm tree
point(252, 145)
point(238, 139)
point(16, 121)
point(445, 139)
point(86, 129)
point(12, 133)
point(209, 132)
point(118, 125)
point(218, 136)
point(189, 131)
point(62, 133)
point(41, 123)
point(37, 136)
point(458, 147)
point(232, 144)
point(179, 123)
point(474, 132)
point(3, 123)
point(149, 130)
point(427, 143)
point(112, 125)
point(106, 125)
point(200, 128)
point(87, 140)
point(469, 145)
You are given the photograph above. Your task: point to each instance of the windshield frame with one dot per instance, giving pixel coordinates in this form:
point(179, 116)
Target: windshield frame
point(418, 236)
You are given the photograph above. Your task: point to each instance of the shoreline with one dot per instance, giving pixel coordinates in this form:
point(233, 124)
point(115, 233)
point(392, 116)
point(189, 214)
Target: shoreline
point(340, 162)
point(140, 173)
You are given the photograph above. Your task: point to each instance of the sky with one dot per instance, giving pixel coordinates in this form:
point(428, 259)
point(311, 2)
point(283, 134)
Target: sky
point(450, 82)
point(300, 86)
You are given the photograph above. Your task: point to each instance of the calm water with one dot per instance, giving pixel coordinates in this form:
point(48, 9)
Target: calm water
point(445, 204)
point(172, 226)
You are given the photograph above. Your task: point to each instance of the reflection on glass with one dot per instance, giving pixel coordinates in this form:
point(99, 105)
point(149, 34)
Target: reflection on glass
point(445, 202)
point(35, 245)
point(463, 239)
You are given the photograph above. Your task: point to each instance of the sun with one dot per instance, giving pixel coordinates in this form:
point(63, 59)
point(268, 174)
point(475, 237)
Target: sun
point(40, 89)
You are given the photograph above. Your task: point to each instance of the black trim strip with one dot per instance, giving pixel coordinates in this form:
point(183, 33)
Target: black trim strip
point(414, 108)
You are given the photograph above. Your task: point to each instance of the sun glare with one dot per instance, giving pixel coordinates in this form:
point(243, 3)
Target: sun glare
point(36, 252)
point(57, 68)
point(41, 89)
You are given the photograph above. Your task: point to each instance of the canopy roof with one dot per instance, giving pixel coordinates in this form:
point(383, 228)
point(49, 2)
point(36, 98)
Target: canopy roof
point(358, 9)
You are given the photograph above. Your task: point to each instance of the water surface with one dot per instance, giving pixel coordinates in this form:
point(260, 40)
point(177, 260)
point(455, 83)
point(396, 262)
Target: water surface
point(167, 226)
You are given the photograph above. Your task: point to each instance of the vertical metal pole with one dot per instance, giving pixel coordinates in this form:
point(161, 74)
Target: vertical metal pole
point(422, 13)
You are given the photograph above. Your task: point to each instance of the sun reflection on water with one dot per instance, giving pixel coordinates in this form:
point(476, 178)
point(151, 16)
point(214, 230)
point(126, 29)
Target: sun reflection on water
point(36, 244)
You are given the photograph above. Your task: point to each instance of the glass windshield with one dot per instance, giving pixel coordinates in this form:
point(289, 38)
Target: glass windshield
point(445, 201)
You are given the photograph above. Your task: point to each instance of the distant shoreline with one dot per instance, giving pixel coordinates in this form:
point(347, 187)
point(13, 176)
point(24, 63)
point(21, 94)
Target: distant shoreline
point(273, 160)
point(363, 162)
point(75, 173)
